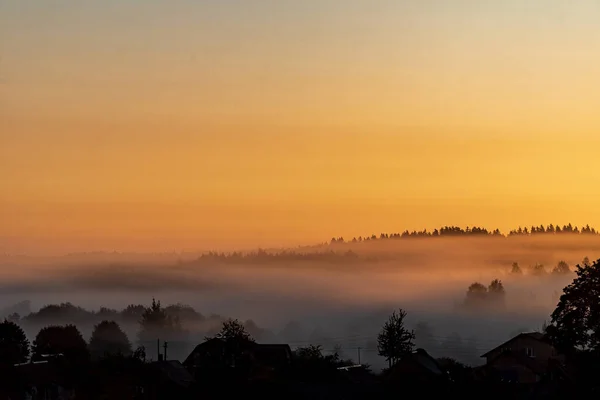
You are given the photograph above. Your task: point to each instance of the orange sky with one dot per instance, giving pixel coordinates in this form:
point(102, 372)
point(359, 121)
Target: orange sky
point(198, 125)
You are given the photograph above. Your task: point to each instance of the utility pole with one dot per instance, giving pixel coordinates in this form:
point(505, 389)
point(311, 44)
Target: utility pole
point(165, 345)
point(158, 349)
point(358, 356)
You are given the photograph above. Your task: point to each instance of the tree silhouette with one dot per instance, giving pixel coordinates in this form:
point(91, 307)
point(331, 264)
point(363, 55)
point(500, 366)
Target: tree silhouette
point(454, 231)
point(516, 269)
point(394, 341)
point(496, 293)
point(156, 324)
point(458, 371)
point(108, 339)
point(476, 295)
point(562, 268)
point(312, 365)
point(236, 340)
point(64, 313)
point(586, 262)
point(107, 313)
point(538, 269)
point(234, 330)
point(310, 352)
point(575, 322)
point(14, 346)
point(65, 340)
point(184, 315)
point(133, 312)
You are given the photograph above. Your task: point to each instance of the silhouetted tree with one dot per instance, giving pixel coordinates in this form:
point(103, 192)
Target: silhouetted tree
point(14, 346)
point(312, 365)
point(157, 324)
point(575, 322)
point(232, 329)
point(185, 315)
point(458, 371)
point(516, 269)
point(538, 269)
point(586, 262)
point(22, 308)
point(236, 340)
point(310, 352)
point(139, 354)
point(65, 340)
point(496, 293)
point(133, 313)
point(107, 313)
point(562, 268)
point(555, 298)
point(108, 339)
point(14, 317)
point(476, 295)
point(394, 341)
point(64, 313)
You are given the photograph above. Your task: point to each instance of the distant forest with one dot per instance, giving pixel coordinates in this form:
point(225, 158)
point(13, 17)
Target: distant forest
point(332, 256)
point(454, 231)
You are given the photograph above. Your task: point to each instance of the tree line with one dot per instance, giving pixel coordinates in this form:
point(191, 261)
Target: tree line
point(109, 340)
point(265, 257)
point(560, 269)
point(453, 231)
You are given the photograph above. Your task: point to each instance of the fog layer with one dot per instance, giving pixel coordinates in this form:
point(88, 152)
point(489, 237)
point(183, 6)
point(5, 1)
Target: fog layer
point(338, 294)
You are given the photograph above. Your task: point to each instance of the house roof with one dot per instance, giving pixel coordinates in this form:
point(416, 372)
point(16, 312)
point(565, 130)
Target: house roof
point(426, 361)
point(532, 335)
point(175, 372)
point(41, 371)
point(267, 353)
point(420, 359)
point(207, 344)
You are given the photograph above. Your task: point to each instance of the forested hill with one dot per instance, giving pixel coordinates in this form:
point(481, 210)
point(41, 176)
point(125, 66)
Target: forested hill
point(455, 231)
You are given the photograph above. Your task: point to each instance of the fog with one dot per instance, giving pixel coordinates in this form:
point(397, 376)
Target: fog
point(312, 295)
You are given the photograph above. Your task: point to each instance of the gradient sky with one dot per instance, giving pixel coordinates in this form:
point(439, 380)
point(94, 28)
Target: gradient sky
point(184, 125)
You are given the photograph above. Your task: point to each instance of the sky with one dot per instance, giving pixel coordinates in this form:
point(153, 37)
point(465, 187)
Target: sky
point(153, 125)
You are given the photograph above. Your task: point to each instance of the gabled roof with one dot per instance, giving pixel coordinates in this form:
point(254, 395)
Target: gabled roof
point(175, 372)
point(209, 343)
point(531, 335)
point(422, 361)
point(267, 353)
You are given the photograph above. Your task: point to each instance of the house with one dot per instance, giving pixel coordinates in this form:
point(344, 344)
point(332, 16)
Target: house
point(262, 359)
point(167, 379)
point(44, 380)
point(208, 354)
point(417, 367)
point(272, 355)
point(269, 360)
point(526, 358)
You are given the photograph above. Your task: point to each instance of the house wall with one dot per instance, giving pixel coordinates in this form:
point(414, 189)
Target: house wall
point(525, 375)
point(542, 351)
